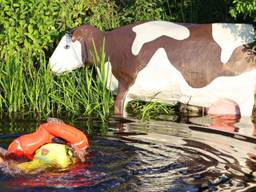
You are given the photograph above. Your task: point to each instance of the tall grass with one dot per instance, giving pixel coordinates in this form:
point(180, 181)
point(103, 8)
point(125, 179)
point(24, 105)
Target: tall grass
point(37, 92)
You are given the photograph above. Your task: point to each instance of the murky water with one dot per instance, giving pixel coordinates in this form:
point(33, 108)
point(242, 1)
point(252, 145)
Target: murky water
point(152, 156)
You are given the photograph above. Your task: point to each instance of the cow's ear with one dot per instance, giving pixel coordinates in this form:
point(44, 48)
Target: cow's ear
point(71, 34)
point(76, 37)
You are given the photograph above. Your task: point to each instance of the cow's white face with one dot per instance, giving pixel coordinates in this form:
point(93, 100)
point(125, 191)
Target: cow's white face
point(67, 56)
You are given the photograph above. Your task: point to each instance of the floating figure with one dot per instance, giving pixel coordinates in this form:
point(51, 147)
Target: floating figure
point(43, 153)
point(195, 64)
point(47, 157)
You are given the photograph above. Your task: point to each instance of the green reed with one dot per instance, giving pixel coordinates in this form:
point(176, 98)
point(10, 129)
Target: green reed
point(41, 93)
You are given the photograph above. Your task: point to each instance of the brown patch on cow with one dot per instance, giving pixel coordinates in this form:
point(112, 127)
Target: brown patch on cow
point(88, 35)
point(243, 59)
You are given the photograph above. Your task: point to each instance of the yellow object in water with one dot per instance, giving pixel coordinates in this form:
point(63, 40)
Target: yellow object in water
point(52, 155)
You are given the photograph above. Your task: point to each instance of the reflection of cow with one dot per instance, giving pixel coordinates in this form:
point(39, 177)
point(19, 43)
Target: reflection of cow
point(190, 63)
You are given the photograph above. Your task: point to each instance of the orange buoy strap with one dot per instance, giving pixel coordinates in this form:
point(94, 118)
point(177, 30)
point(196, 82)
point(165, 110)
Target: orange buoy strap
point(19, 147)
point(82, 145)
point(15, 147)
point(71, 134)
point(29, 143)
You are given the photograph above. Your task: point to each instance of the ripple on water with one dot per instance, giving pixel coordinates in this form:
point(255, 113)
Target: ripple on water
point(153, 157)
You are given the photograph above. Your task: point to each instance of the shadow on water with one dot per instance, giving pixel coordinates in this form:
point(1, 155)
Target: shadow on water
point(149, 156)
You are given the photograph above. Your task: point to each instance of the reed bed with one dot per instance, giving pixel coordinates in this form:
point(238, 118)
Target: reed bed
point(37, 92)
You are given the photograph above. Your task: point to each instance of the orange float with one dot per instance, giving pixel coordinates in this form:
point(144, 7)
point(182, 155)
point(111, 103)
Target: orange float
point(26, 145)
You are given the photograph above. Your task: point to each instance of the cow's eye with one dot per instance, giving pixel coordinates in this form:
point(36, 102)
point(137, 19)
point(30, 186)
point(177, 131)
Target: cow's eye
point(66, 47)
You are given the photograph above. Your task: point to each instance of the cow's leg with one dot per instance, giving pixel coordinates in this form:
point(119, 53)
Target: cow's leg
point(121, 99)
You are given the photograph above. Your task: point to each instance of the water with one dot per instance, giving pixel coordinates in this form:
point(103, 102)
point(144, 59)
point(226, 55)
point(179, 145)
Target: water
point(151, 156)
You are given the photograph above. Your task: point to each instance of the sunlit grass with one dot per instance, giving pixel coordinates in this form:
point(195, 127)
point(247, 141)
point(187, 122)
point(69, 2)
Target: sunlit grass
point(150, 110)
point(37, 92)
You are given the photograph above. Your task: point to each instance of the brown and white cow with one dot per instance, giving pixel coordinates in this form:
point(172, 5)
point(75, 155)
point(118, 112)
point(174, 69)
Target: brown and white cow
point(196, 64)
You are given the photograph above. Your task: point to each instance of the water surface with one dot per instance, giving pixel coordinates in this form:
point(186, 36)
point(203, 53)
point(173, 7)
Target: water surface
point(149, 156)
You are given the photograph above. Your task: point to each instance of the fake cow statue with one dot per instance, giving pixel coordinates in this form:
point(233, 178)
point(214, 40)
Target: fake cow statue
point(195, 64)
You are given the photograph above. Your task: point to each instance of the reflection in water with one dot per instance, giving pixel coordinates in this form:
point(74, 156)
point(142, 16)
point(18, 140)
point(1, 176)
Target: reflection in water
point(76, 176)
point(224, 122)
point(227, 123)
point(152, 156)
point(208, 160)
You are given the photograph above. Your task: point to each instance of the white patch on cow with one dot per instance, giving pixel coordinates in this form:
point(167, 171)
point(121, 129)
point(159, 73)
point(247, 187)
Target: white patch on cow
point(67, 56)
point(161, 81)
point(230, 36)
point(111, 81)
point(236, 88)
point(150, 31)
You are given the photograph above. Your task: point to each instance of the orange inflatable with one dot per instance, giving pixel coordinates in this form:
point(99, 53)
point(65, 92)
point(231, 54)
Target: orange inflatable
point(26, 145)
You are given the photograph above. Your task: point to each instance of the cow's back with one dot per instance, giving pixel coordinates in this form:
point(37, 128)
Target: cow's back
point(199, 57)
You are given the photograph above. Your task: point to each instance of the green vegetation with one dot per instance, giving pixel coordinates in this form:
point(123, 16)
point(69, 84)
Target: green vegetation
point(244, 10)
point(29, 33)
point(31, 29)
point(149, 110)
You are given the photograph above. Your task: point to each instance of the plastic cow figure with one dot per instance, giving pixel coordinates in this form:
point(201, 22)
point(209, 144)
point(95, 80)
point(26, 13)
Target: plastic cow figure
point(196, 64)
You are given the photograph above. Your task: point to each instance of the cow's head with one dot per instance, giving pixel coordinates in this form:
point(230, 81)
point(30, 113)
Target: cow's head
point(72, 50)
point(67, 55)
